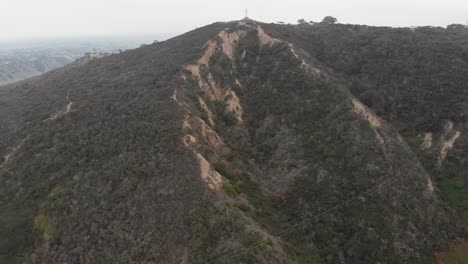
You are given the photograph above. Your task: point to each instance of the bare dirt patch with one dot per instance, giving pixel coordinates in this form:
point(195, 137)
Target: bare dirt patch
point(427, 141)
point(448, 144)
point(373, 119)
point(68, 109)
point(211, 116)
point(209, 176)
point(264, 38)
point(210, 50)
point(234, 105)
point(430, 186)
point(229, 42)
point(448, 139)
point(8, 156)
point(359, 108)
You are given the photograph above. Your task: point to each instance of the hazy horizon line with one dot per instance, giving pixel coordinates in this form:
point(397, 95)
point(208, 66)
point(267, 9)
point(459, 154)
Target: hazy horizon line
point(84, 36)
point(94, 35)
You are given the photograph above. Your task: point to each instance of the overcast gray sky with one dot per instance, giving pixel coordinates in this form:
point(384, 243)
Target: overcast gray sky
point(59, 18)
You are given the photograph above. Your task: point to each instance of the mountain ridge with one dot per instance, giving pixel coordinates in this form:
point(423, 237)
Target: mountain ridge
point(270, 138)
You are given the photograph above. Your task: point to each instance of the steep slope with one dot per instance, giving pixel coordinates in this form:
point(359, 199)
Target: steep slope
point(414, 78)
point(302, 128)
point(223, 145)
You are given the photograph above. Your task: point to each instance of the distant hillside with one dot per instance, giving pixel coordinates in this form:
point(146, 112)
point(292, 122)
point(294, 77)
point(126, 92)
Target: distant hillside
point(16, 66)
point(243, 142)
point(26, 59)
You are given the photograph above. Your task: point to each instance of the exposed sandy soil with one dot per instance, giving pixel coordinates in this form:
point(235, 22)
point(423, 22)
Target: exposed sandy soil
point(233, 105)
point(195, 70)
point(448, 139)
point(8, 156)
point(174, 95)
point(211, 116)
point(373, 119)
point(430, 186)
point(209, 134)
point(306, 66)
point(217, 91)
point(449, 126)
point(209, 176)
point(185, 257)
point(193, 124)
point(210, 49)
point(264, 38)
point(379, 137)
point(229, 42)
point(186, 125)
point(210, 87)
point(366, 114)
point(448, 144)
point(189, 140)
point(68, 109)
point(293, 51)
point(69, 105)
point(427, 143)
point(202, 131)
point(213, 92)
point(400, 138)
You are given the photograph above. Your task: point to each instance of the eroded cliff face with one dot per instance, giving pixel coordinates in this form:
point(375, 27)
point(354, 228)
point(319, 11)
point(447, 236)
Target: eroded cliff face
point(224, 145)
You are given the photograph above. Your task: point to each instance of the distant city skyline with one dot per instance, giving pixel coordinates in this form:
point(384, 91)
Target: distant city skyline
point(72, 18)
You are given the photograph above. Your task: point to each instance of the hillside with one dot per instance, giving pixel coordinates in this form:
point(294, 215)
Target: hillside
point(241, 143)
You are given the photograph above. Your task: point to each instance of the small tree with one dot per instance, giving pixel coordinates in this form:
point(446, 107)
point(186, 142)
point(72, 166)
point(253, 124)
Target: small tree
point(302, 21)
point(456, 26)
point(329, 20)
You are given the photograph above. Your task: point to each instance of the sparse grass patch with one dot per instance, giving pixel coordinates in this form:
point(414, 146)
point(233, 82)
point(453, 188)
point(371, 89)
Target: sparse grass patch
point(453, 190)
point(230, 190)
point(56, 199)
point(223, 170)
point(258, 240)
point(43, 224)
point(11, 163)
point(455, 255)
point(53, 202)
